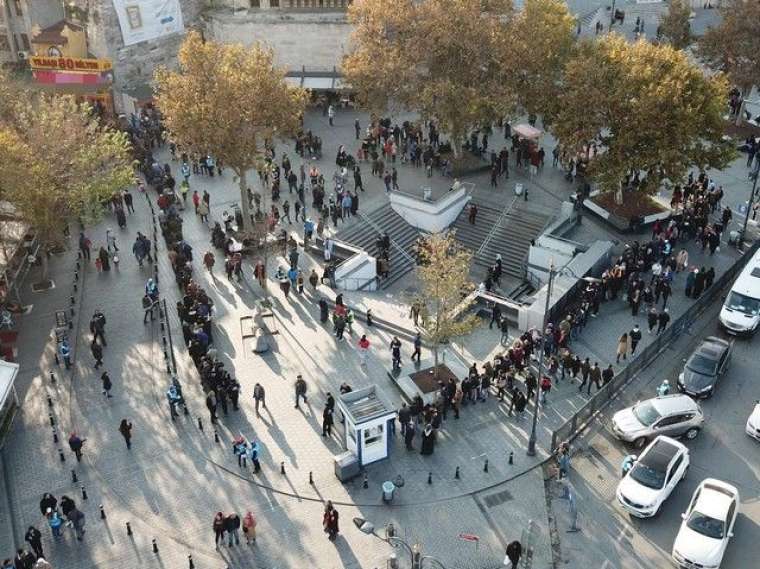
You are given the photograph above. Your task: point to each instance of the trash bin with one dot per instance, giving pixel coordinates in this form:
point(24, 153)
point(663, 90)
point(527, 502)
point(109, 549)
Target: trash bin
point(427, 194)
point(518, 189)
point(388, 489)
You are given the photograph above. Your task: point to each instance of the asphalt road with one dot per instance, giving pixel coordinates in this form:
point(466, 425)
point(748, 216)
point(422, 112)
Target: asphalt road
point(610, 537)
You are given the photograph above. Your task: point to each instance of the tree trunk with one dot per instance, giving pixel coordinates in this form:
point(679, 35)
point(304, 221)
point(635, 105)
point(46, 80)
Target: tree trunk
point(44, 262)
point(244, 204)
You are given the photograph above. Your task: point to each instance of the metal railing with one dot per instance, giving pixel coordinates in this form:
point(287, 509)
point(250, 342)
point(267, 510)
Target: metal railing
point(395, 245)
point(504, 213)
point(573, 426)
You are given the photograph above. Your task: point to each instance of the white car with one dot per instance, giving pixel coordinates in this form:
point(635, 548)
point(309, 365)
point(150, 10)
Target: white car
point(653, 476)
point(707, 526)
point(753, 423)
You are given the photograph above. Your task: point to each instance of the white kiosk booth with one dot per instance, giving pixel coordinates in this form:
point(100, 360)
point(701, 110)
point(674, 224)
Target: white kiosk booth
point(8, 397)
point(369, 426)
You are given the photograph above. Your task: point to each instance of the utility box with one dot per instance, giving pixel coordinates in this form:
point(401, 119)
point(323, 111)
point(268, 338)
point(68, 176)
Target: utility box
point(346, 466)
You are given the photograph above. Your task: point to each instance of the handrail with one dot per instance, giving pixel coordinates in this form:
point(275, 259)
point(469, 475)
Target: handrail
point(496, 225)
point(398, 247)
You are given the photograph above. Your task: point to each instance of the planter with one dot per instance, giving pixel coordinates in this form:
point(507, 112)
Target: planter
point(636, 205)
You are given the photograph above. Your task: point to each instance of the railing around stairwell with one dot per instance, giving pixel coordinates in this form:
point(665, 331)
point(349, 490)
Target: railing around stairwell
point(395, 245)
point(496, 226)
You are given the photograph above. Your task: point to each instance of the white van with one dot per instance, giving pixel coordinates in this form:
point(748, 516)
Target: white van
point(741, 311)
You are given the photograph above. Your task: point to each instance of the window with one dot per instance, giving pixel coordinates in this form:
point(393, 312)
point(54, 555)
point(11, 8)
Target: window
point(668, 421)
point(676, 466)
point(373, 436)
point(25, 42)
point(19, 11)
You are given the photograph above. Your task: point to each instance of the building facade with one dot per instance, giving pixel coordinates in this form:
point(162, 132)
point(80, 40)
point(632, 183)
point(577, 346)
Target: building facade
point(17, 20)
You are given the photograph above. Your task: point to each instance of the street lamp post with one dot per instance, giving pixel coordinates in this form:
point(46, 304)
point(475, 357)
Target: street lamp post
point(755, 174)
point(532, 440)
point(415, 551)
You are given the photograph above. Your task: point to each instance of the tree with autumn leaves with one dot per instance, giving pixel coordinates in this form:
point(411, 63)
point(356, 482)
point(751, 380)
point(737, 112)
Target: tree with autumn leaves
point(226, 101)
point(647, 108)
point(436, 57)
point(59, 163)
point(733, 45)
point(675, 27)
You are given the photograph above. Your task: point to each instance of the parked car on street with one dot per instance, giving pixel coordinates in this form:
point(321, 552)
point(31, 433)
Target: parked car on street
point(653, 477)
point(707, 526)
point(705, 367)
point(753, 422)
point(672, 415)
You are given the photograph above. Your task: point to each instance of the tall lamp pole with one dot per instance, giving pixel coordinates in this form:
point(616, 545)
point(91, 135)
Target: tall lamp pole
point(415, 551)
point(754, 175)
point(532, 440)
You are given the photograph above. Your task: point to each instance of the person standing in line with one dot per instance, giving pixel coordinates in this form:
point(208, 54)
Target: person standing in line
point(300, 387)
point(218, 526)
point(417, 347)
point(249, 527)
point(125, 428)
point(330, 521)
point(84, 246)
point(259, 397)
point(622, 347)
point(652, 317)
point(107, 385)
point(33, 537)
point(635, 337)
point(97, 353)
point(211, 405)
point(662, 321)
point(98, 327)
point(232, 526)
point(363, 350)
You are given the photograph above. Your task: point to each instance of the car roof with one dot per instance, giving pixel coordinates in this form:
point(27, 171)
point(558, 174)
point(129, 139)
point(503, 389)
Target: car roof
point(676, 403)
point(659, 454)
point(715, 498)
point(712, 347)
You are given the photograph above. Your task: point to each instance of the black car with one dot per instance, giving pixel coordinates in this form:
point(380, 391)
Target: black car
point(704, 367)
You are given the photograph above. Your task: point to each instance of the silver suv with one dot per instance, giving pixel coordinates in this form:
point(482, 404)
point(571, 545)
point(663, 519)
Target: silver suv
point(671, 415)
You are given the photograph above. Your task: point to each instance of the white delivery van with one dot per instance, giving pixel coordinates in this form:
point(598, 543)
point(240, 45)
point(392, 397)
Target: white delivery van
point(741, 311)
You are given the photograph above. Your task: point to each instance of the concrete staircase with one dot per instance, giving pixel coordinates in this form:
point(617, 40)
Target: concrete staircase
point(403, 236)
point(498, 233)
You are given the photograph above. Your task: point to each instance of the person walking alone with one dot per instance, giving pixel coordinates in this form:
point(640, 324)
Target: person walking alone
point(125, 428)
point(259, 397)
point(363, 350)
point(249, 527)
point(662, 321)
point(98, 327)
point(635, 337)
point(107, 385)
point(417, 353)
point(218, 526)
point(622, 347)
point(330, 521)
point(300, 387)
point(75, 444)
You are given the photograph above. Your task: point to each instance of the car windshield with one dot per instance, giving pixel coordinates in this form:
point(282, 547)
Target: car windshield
point(705, 525)
point(743, 304)
point(700, 364)
point(646, 413)
point(648, 476)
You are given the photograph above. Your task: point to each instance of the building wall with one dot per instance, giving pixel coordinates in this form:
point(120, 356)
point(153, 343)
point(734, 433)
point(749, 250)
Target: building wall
point(15, 27)
point(316, 40)
point(134, 64)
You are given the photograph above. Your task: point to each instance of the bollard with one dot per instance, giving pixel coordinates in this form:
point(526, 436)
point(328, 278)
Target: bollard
point(74, 478)
point(76, 276)
point(129, 529)
point(55, 435)
point(282, 468)
point(485, 466)
point(79, 255)
point(75, 286)
point(168, 367)
point(52, 420)
point(102, 512)
point(511, 457)
point(456, 473)
point(50, 401)
point(61, 455)
point(71, 324)
point(155, 277)
point(200, 424)
point(311, 478)
point(163, 340)
point(190, 563)
point(243, 461)
point(155, 545)
point(72, 300)
point(78, 266)
point(72, 312)
point(57, 359)
point(84, 493)
point(216, 437)
point(162, 326)
point(52, 376)
point(186, 411)
point(365, 484)
point(430, 477)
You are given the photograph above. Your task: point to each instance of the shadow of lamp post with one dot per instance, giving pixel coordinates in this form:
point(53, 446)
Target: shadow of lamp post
point(418, 560)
